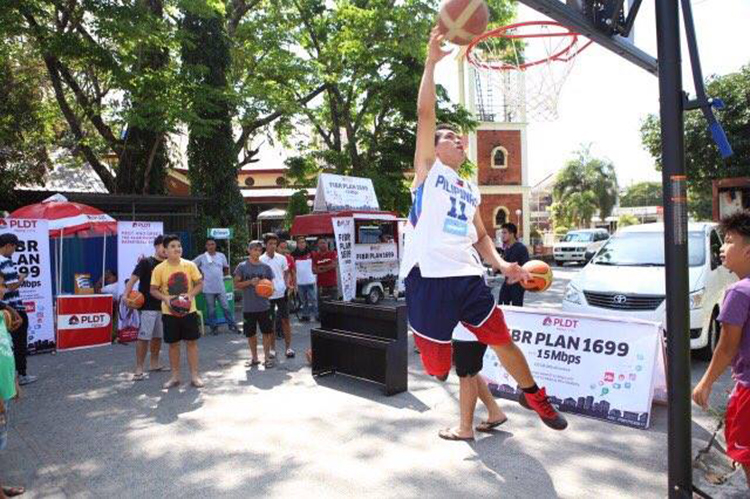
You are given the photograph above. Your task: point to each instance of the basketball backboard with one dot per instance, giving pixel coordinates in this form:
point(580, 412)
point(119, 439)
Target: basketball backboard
point(591, 19)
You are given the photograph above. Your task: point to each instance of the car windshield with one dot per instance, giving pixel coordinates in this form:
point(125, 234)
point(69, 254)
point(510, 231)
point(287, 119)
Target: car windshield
point(578, 237)
point(639, 249)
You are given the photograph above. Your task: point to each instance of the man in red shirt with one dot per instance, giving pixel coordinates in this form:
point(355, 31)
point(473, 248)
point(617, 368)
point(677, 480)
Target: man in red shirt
point(324, 267)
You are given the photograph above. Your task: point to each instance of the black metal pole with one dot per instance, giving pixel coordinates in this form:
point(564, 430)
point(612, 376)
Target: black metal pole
point(675, 248)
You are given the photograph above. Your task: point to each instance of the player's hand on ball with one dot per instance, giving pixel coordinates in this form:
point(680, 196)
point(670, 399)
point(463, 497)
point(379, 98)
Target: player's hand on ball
point(515, 273)
point(701, 394)
point(435, 51)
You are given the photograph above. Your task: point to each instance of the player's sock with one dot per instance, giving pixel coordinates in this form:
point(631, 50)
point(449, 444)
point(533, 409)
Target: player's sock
point(532, 389)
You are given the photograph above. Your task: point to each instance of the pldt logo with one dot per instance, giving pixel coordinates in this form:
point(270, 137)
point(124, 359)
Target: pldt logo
point(562, 322)
point(84, 321)
point(144, 225)
point(17, 223)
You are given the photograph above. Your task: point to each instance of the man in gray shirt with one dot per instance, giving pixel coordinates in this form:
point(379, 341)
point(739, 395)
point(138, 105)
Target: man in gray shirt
point(214, 266)
point(255, 309)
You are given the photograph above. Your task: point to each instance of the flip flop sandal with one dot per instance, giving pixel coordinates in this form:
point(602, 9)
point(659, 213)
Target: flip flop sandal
point(171, 383)
point(449, 434)
point(13, 491)
point(159, 369)
point(489, 427)
point(138, 377)
point(268, 364)
point(197, 383)
point(252, 363)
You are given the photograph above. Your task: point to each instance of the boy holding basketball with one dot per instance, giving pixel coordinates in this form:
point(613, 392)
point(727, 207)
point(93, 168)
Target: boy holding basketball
point(734, 342)
point(444, 284)
point(256, 310)
point(176, 282)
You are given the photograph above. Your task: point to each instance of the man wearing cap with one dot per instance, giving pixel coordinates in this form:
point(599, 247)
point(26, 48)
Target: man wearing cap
point(13, 281)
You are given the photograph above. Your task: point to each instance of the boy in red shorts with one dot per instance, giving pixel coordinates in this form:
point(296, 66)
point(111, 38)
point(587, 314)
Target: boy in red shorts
point(734, 342)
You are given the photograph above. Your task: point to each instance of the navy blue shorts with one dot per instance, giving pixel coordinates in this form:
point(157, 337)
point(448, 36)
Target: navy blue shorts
point(435, 306)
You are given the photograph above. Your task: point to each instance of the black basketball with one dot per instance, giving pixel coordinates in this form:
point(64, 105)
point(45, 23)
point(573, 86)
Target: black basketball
point(180, 304)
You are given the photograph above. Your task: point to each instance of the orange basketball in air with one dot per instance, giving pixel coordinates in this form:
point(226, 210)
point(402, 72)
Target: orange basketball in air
point(541, 276)
point(463, 20)
point(135, 299)
point(264, 288)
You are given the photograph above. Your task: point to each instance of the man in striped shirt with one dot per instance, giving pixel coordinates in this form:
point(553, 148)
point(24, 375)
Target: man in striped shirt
point(12, 298)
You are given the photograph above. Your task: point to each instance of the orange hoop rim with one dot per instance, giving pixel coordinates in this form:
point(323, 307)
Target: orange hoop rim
point(562, 55)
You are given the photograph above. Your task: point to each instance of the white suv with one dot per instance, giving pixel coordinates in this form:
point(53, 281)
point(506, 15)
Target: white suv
point(626, 278)
point(579, 245)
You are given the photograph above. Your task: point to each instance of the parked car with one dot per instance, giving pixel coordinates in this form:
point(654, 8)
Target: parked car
point(579, 245)
point(626, 278)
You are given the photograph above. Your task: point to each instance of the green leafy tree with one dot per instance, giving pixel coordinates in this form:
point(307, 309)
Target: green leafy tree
point(361, 62)
point(584, 186)
point(211, 150)
point(626, 220)
point(702, 159)
point(642, 194)
point(110, 73)
point(297, 206)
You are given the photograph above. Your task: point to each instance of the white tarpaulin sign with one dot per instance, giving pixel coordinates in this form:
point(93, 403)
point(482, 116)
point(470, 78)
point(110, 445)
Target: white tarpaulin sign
point(339, 192)
point(32, 257)
point(343, 230)
point(135, 240)
point(596, 367)
point(382, 252)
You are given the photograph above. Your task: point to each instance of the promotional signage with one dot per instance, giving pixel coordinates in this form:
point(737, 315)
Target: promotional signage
point(596, 367)
point(343, 230)
point(135, 240)
point(339, 192)
point(375, 252)
point(32, 257)
point(220, 233)
point(83, 321)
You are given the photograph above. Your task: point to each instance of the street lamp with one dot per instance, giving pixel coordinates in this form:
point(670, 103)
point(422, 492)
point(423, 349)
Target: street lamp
point(518, 216)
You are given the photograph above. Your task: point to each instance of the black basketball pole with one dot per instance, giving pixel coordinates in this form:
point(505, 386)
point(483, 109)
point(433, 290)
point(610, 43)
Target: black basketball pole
point(675, 248)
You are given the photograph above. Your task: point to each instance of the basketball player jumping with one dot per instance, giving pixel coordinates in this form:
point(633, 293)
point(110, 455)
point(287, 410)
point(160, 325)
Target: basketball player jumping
point(444, 284)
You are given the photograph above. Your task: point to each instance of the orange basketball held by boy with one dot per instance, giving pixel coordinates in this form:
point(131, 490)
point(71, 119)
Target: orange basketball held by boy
point(180, 305)
point(463, 20)
point(541, 276)
point(264, 288)
point(135, 299)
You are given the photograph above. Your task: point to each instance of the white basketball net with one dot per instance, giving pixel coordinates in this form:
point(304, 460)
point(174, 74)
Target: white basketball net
point(521, 69)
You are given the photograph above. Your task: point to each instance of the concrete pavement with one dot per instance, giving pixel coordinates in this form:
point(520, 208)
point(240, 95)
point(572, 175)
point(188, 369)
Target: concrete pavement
point(86, 430)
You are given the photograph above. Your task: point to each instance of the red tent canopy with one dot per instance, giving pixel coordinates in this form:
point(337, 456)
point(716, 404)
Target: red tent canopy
point(67, 218)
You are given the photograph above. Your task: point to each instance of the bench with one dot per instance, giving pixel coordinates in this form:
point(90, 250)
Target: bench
point(364, 341)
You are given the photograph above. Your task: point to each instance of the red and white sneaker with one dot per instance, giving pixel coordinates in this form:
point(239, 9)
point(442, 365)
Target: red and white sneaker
point(540, 403)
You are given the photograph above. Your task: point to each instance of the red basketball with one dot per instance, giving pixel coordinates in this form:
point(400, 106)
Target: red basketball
point(180, 305)
point(541, 276)
point(264, 288)
point(135, 299)
point(463, 20)
point(12, 321)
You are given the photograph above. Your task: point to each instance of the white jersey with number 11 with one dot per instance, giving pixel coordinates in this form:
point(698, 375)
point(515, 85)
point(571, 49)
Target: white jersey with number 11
point(440, 233)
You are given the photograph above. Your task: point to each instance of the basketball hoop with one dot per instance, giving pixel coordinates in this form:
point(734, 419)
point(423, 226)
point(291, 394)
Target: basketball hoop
point(528, 64)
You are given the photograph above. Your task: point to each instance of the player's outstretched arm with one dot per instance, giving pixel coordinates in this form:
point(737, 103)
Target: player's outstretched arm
point(512, 271)
point(424, 155)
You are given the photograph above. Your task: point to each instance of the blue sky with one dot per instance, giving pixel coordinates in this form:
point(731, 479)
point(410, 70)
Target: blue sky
point(606, 97)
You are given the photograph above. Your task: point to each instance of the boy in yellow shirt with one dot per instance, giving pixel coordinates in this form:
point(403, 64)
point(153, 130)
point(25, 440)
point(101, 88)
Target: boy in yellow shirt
point(176, 282)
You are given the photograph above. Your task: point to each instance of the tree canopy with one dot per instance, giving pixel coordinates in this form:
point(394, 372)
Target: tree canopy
point(642, 194)
point(702, 159)
point(584, 186)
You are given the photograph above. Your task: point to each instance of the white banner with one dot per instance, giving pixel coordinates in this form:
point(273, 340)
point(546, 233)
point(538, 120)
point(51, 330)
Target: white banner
point(601, 368)
point(381, 252)
point(339, 192)
point(343, 230)
point(135, 240)
point(33, 258)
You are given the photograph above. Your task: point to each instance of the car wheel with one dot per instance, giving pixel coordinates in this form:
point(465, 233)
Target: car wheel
point(374, 296)
point(714, 331)
point(559, 263)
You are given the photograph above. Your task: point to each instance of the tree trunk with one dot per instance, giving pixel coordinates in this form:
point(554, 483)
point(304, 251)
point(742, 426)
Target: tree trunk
point(211, 150)
point(143, 164)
